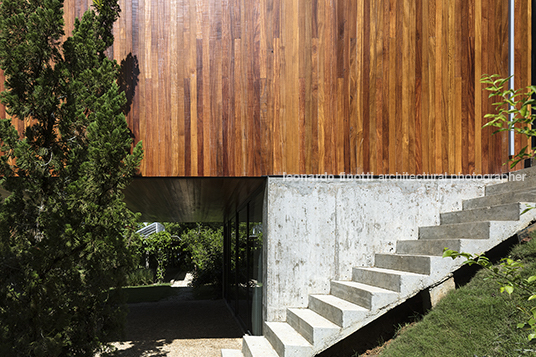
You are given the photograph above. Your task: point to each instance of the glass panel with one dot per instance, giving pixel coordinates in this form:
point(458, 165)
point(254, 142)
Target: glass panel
point(231, 264)
point(243, 268)
point(256, 277)
point(244, 265)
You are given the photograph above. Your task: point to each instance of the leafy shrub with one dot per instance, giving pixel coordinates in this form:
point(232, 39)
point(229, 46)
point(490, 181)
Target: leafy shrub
point(513, 111)
point(160, 245)
point(140, 276)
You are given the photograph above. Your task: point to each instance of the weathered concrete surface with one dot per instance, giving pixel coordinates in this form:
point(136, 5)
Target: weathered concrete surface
point(316, 329)
point(318, 230)
point(500, 199)
point(438, 292)
point(507, 212)
point(285, 340)
point(257, 346)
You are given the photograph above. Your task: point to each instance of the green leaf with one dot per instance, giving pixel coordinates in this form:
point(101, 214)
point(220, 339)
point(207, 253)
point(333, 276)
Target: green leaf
point(508, 288)
point(527, 209)
point(449, 253)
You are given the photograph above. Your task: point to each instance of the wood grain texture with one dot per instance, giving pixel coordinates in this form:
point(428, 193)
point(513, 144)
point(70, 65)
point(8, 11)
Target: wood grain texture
point(266, 87)
point(522, 55)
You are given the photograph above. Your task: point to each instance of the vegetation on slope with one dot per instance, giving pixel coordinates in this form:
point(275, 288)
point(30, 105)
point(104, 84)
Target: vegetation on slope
point(475, 320)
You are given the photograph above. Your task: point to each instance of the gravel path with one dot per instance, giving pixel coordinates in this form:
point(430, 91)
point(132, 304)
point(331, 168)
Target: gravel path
point(180, 327)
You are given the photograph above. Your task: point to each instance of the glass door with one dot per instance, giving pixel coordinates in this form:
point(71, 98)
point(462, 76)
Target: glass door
point(243, 268)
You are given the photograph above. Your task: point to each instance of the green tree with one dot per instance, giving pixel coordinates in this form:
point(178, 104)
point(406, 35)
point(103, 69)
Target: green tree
point(65, 231)
point(204, 247)
point(161, 246)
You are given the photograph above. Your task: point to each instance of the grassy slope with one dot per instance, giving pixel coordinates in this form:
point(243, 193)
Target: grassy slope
point(475, 320)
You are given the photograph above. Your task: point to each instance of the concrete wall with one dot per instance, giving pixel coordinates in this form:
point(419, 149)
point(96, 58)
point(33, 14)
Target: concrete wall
point(317, 230)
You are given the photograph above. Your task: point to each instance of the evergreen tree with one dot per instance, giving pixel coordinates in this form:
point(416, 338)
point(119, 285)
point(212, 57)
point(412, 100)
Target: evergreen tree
point(65, 232)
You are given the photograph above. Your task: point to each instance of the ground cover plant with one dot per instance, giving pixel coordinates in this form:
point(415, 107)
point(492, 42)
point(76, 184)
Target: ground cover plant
point(65, 233)
point(475, 320)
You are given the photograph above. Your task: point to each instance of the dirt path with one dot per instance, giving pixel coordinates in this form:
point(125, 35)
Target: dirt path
point(180, 327)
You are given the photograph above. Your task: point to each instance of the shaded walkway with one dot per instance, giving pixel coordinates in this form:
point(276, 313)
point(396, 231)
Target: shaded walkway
point(180, 327)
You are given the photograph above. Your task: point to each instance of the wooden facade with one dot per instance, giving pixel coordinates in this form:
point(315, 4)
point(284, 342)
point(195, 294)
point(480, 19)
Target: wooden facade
point(265, 87)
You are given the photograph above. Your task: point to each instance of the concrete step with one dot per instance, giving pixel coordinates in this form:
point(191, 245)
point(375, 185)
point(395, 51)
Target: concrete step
point(501, 199)
point(432, 247)
point(367, 296)
point(257, 346)
point(411, 263)
point(313, 327)
point(470, 230)
point(508, 212)
point(528, 172)
point(526, 184)
point(231, 353)
point(286, 341)
point(388, 279)
point(341, 312)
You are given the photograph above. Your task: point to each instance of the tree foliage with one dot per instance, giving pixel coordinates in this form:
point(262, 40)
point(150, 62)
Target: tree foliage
point(159, 245)
point(64, 229)
point(204, 247)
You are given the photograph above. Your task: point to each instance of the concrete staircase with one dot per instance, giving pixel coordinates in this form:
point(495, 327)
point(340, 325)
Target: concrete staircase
point(417, 265)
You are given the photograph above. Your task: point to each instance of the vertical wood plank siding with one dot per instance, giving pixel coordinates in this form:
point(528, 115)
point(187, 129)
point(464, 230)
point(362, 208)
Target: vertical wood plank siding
point(266, 87)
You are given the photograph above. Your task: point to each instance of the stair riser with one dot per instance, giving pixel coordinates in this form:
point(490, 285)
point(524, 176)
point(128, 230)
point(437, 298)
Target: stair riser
point(356, 296)
point(255, 346)
point(528, 172)
point(412, 264)
point(328, 311)
point(497, 200)
point(306, 330)
point(272, 338)
point(478, 230)
point(277, 340)
point(247, 351)
point(427, 247)
point(511, 186)
point(341, 312)
point(497, 213)
point(316, 335)
point(379, 279)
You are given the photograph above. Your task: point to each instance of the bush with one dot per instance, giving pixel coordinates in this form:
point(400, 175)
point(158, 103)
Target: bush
point(161, 246)
point(140, 276)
